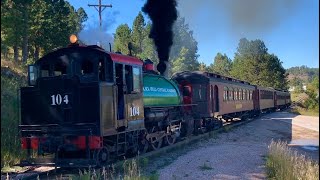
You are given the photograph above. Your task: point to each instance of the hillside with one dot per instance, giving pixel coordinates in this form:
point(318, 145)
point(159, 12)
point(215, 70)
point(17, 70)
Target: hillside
point(13, 76)
point(302, 73)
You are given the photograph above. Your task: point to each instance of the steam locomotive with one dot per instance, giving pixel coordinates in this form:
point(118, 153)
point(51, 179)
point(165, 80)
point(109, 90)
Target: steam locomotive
point(85, 106)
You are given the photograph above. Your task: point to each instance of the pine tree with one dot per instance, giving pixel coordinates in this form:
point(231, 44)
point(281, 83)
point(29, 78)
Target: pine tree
point(222, 65)
point(122, 39)
point(148, 47)
point(183, 54)
point(36, 26)
point(254, 64)
point(203, 67)
point(138, 34)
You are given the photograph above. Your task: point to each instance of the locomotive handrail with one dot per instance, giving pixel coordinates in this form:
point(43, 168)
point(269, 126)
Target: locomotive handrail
point(38, 125)
point(64, 131)
point(79, 130)
point(31, 130)
point(81, 124)
point(171, 106)
point(49, 125)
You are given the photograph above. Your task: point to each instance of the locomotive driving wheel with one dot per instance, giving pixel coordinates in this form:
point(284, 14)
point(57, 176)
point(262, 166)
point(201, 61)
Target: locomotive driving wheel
point(200, 126)
point(171, 138)
point(143, 146)
point(156, 141)
point(101, 156)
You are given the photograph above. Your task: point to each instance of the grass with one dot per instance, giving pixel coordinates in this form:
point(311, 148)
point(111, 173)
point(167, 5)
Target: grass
point(205, 167)
point(213, 134)
point(143, 162)
point(300, 107)
point(130, 170)
point(304, 111)
point(283, 163)
point(295, 96)
point(226, 129)
point(11, 81)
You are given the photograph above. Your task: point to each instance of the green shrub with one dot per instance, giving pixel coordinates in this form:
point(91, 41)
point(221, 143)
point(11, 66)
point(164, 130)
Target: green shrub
point(10, 143)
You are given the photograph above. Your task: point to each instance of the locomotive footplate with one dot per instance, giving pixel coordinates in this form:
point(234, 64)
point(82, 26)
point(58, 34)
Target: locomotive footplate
point(58, 163)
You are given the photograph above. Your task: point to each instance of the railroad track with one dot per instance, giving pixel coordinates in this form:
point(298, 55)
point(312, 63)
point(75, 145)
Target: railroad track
point(44, 172)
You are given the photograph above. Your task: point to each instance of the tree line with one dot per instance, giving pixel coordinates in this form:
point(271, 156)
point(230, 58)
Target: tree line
point(31, 28)
point(252, 61)
point(183, 54)
point(300, 76)
point(304, 70)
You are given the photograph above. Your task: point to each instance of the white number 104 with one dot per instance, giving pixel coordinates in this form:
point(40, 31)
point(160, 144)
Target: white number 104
point(57, 99)
point(134, 111)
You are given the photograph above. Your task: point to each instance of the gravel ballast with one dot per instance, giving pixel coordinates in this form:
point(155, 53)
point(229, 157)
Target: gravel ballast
point(240, 153)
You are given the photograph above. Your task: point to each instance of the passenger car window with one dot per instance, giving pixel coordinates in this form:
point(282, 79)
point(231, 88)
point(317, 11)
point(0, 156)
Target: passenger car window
point(225, 93)
point(231, 94)
point(235, 94)
point(245, 94)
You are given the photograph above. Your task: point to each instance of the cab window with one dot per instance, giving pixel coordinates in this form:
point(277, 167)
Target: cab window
point(86, 67)
point(136, 79)
point(101, 70)
point(60, 68)
point(56, 66)
point(44, 70)
point(109, 70)
point(129, 78)
point(105, 69)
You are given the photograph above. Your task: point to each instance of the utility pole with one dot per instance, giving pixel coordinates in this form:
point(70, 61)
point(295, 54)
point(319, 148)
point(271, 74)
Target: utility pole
point(100, 8)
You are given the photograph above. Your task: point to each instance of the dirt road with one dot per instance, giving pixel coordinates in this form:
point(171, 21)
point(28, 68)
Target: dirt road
point(240, 153)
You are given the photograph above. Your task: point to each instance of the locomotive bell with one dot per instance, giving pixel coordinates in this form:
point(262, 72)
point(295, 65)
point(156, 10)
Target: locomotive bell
point(148, 65)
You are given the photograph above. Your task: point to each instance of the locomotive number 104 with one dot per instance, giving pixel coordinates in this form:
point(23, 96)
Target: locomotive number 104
point(57, 99)
point(134, 111)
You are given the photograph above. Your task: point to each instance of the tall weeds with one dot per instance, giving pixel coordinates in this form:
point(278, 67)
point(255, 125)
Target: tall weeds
point(10, 143)
point(286, 164)
point(130, 170)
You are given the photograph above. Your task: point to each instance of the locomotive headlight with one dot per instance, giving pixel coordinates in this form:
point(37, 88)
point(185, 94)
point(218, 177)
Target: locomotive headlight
point(73, 39)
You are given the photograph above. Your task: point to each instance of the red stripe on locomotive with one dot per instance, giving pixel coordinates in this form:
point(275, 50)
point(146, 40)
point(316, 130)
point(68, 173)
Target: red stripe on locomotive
point(34, 143)
point(95, 142)
point(125, 59)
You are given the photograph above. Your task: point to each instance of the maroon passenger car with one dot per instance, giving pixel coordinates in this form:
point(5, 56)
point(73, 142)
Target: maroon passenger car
point(282, 99)
point(266, 99)
point(216, 96)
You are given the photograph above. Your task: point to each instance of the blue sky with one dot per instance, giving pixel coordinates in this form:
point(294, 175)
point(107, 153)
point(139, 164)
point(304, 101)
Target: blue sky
point(289, 28)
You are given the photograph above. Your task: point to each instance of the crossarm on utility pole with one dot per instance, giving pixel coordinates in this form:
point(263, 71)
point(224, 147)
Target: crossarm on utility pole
point(100, 9)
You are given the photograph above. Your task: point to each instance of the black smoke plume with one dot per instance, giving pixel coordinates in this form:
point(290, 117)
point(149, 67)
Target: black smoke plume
point(162, 13)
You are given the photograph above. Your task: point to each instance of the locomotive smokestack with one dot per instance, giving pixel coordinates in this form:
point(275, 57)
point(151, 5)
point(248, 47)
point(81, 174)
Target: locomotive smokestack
point(162, 13)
